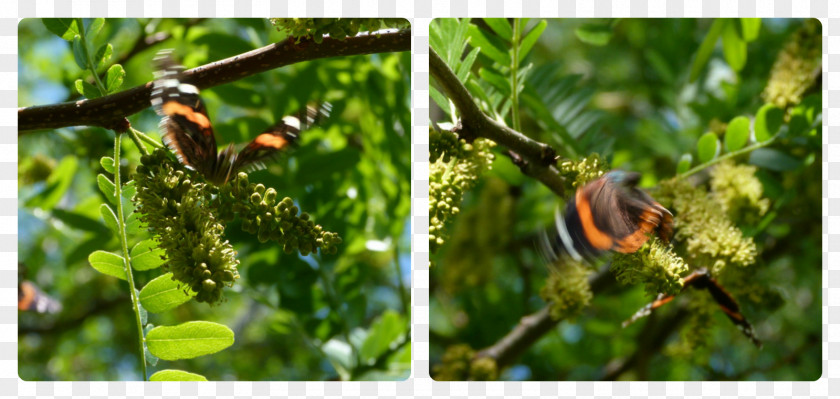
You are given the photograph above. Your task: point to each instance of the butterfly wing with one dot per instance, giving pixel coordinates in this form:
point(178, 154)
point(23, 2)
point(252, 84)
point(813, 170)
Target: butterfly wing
point(185, 126)
point(274, 140)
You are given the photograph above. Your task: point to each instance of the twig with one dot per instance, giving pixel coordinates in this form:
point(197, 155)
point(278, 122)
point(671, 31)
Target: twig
point(539, 157)
point(104, 111)
point(532, 327)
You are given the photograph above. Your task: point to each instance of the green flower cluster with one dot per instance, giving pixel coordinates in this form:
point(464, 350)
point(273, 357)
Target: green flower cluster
point(655, 265)
point(797, 66)
point(739, 192)
point(578, 173)
point(180, 212)
point(567, 290)
point(188, 217)
point(459, 364)
point(337, 28)
point(262, 214)
point(455, 363)
point(481, 233)
point(455, 170)
point(710, 236)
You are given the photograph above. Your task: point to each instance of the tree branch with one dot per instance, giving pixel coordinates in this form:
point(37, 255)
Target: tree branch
point(111, 110)
point(537, 158)
point(532, 327)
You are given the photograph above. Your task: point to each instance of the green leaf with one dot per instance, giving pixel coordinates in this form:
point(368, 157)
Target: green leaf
point(107, 187)
point(79, 52)
point(734, 48)
point(501, 26)
point(496, 80)
point(188, 340)
point(163, 293)
point(114, 78)
point(530, 39)
point(107, 164)
point(86, 89)
point(594, 34)
point(109, 217)
point(737, 133)
point(773, 159)
point(684, 164)
point(108, 263)
point(466, 64)
point(489, 48)
point(176, 375)
point(93, 29)
point(102, 55)
point(706, 48)
point(749, 28)
point(57, 185)
point(386, 331)
point(768, 120)
point(439, 99)
point(707, 147)
point(64, 28)
point(147, 255)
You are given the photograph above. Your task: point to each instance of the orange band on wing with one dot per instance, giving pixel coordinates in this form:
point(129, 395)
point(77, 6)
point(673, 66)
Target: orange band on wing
point(269, 140)
point(25, 301)
point(175, 108)
point(648, 221)
point(597, 238)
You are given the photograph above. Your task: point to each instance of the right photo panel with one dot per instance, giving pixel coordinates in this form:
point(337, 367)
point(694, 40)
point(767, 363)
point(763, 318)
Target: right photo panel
point(625, 199)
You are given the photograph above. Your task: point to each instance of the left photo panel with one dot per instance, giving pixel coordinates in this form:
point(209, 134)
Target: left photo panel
point(214, 199)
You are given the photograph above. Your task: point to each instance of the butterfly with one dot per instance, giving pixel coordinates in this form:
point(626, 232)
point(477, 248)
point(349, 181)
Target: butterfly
point(609, 213)
point(701, 279)
point(188, 132)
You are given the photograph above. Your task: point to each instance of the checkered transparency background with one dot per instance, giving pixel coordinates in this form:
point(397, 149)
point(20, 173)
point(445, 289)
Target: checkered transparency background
point(420, 12)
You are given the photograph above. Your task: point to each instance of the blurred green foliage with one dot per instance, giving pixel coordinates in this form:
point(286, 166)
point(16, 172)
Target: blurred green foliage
point(317, 317)
point(641, 93)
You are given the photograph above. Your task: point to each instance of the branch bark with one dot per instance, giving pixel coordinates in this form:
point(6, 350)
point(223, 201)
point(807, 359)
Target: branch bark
point(532, 327)
point(537, 159)
point(111, 110)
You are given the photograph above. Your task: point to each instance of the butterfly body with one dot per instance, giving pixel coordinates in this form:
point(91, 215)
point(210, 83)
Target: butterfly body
point(609, 214)
point(188, 132)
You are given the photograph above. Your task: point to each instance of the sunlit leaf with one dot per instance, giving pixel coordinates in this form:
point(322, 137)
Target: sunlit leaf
point(108, 263)
point(530, 39)
point(708, 147)
point(496, 52)
point(109, 217)
point(114, 78)
point(107, 187)
point(188, 340)
point(749, 28)
point(65, 28)
point(737, 133)
point(768, 120)
point(163, 293)
point(147, 255)
point(501, 26)
point(86, 89)
point(734, 48)
point(176, 375)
